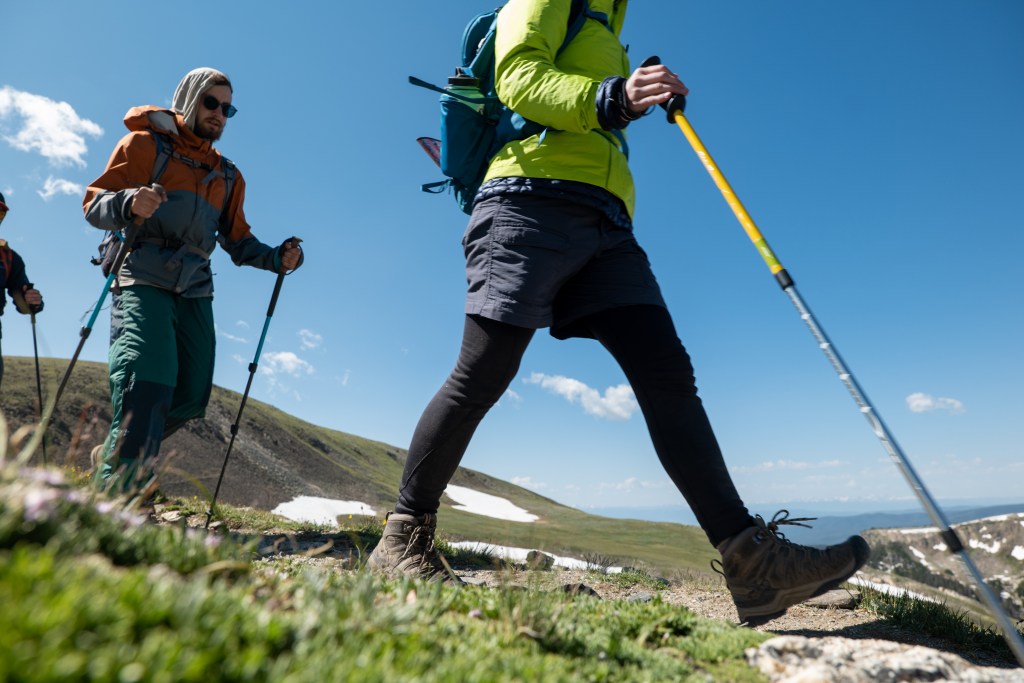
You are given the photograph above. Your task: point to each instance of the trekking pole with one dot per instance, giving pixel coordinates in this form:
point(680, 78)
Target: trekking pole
point(39, 381)
point(674, 108)
point(122, 254)
point(252, 372)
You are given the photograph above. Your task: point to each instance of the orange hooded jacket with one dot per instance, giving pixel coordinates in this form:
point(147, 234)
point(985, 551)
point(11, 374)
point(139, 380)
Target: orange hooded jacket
point(173, 246)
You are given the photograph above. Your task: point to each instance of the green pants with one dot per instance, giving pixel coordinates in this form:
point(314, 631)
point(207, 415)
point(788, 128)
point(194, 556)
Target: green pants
point(161, 371)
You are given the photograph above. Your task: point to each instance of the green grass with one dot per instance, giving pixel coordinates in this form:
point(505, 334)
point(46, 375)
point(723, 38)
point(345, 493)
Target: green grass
point(92, 594)
point(935, 619)
point(92, 621)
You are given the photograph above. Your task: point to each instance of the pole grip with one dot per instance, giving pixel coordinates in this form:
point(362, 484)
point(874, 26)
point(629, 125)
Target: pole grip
point(674, 103)
point(32, 308)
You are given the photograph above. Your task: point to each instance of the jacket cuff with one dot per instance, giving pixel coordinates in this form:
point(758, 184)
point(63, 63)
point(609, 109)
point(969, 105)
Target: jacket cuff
point(612, 112)
point(126, 207)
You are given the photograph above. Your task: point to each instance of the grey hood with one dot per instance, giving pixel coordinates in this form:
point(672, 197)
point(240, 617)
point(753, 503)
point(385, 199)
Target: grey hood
point(195, 83)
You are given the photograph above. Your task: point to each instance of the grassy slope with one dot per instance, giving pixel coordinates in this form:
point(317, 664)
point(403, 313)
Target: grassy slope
point(278, 456)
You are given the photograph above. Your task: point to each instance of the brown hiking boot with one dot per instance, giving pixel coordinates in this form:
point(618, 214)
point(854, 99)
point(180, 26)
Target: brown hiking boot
point(767, 574)
point(406, 548)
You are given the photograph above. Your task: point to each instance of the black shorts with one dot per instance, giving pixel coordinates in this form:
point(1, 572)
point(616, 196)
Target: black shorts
point(536, 261)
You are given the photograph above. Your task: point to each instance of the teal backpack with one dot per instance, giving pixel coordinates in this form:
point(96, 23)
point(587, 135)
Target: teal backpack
point(475, 124)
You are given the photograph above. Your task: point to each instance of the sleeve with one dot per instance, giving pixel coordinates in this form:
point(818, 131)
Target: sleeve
point(236, 236)
point(16, 282)
point(107, 202)
point(530, 32)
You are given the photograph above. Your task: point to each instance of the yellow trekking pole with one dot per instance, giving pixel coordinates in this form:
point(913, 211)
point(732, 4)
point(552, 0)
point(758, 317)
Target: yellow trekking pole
point(674, 108)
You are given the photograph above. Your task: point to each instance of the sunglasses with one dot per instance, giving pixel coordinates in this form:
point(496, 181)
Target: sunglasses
point(226, 108)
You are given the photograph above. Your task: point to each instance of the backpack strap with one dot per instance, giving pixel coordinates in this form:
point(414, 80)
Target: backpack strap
point(164, 151)
point(578, 15)
point(230, 172)
point(7, 258)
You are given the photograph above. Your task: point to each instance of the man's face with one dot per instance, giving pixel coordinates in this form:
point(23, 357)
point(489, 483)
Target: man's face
point(210, 120)
point(3, 215)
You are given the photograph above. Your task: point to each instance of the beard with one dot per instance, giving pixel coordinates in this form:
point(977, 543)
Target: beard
point(206, 132)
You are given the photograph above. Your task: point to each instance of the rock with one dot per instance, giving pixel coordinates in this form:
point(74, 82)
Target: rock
point(535, 559)
point(580, 589)
point(171, 516)
point(640, 597)
point(796, 659)
point(839, 599)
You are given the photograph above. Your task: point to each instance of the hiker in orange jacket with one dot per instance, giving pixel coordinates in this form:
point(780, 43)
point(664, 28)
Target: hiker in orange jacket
point(166, 177)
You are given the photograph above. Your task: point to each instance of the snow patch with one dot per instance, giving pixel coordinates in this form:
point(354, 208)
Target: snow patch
point(920, 556)
point(487, 505)
point(989, 547)
point(941, 547)
point(1018, 553)
point(921, 530)
point(888, 589)
point(519, 555)
point(321, 510)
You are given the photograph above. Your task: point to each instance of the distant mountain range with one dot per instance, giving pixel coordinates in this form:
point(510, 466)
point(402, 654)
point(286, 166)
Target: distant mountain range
point(919, 560)
point(826, 528)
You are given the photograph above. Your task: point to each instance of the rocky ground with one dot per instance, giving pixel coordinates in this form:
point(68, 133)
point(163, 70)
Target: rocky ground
point(828, 639)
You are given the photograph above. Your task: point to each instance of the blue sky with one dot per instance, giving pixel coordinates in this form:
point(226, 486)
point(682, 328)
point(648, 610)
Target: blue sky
point(878, 146)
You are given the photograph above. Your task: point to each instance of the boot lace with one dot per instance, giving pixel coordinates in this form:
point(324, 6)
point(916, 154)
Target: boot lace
point(771, 530)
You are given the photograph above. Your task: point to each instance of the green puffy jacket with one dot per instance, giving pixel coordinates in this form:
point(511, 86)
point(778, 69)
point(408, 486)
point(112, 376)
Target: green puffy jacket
point(560, 94)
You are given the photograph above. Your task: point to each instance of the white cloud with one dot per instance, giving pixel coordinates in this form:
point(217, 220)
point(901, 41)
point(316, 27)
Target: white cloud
point(275, 362)
point(309, 339)
point(55, 186)
point(790, 465)
point(231, 337)
point(242, 324)
point(51, 129)
point(617, 403)
point(925, 403)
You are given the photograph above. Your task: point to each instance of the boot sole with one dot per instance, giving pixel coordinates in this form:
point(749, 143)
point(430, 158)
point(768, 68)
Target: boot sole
point(784, 599)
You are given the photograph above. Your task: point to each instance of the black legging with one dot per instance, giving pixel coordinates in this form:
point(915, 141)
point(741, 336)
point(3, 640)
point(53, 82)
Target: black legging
point(643, 340)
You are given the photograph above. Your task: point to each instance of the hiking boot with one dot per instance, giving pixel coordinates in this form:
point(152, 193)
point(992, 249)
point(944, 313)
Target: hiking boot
point(406, 548)
point(767, 574)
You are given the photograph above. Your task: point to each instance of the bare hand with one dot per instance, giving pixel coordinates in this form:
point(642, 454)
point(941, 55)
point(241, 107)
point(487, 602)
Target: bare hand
point(32, 296)
point(146, 201)
point(290, 255)
point(652, 85)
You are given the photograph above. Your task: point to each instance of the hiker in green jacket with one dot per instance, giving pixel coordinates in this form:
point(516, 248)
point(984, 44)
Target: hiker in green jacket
point(166, 177)
point(27, 298)
point(550, 244)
